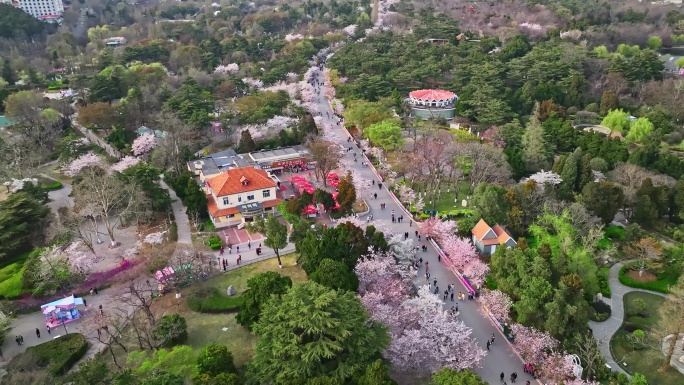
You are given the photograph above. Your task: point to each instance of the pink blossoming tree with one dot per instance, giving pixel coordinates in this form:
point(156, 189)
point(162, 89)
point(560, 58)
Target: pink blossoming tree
point(125, 162)
point(86, 160)
point(532, 344)
point(498, 303)
point(143, 144)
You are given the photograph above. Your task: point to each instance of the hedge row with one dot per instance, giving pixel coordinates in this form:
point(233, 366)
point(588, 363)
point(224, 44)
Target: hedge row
point(58, 355)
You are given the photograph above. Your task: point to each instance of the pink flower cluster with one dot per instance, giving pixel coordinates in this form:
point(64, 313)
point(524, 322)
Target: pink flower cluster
point(254, 83)
point(143, 144)
point(86, 160)
point(292, 89)
point(125, 162)
point(460, 252)
point(424, 336)
point(349, 30)
point(497, 303)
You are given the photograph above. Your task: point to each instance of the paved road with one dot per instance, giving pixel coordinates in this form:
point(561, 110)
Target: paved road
point(501, 358)
point(603, 331)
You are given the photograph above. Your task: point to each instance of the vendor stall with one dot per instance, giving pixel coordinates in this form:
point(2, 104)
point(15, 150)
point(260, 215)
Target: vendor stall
point(61, 311)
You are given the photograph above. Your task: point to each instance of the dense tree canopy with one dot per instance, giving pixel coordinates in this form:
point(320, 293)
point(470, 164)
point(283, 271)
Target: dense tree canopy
point(330, 335)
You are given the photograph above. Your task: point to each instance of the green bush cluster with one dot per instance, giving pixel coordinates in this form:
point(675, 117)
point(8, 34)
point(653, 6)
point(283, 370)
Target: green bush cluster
point(58, 355)
point(214, 243)
point(210, 300)
point(604, 286)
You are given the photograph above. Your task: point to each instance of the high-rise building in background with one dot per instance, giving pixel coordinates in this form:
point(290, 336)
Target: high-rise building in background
point(49, 10)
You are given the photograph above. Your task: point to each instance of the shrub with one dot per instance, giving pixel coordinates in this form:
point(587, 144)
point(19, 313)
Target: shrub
point(52, 186)
point(638, 307)
point(210, 300)
point(601, 307)
point(603, 283)
point(214, 243)
point(58, 355)
point(215, 359)
point(171, 330)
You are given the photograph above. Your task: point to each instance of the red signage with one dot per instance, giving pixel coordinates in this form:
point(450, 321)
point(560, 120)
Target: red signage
point(290, 163)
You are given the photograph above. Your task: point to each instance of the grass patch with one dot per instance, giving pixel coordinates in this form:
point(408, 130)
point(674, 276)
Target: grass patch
point(205, 329)
point(646, 360)
point(615, 232)
point(58, 355)
point(666, 278)
point(211, 300)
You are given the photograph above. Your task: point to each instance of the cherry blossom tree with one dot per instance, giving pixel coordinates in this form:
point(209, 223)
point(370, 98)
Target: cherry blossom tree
point(292, 77)
point(406, 193)
point(18, 184)
point(438, 229)
point(231, 68)
point(292, 89)
point(460, 250)
point(476, 271)
point(349, 30)
point(557, 367)
point(143, 144)
point(498, 303)
point(542, 177)
point(577, 381)
point(293, 37)
point(532, 344)
point(125, 163)
point(86, 160)
point(254, 83)
point(432, 339)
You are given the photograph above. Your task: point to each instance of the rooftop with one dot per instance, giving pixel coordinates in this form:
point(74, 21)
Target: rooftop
point(432, 95)
point(239, 180)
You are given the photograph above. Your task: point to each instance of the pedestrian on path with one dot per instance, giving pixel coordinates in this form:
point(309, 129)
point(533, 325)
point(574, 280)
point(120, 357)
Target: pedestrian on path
point(436, 289)
point(17, 339)
point(101, 311)
point(446, 293)
point(488, 344)
point(493, 338)
point(435, 281)
point(21, 339)
point(48, 329)
point(427, 266)
point(85, 303)
point(439, 257)
point(502, 376)
point(96, 293)
point(249, 245)
point(429, 286)
point(92, 291)
point(37, 332)
point(238, 249)
point(375, 195)
point(452, 296)
point(373, 182)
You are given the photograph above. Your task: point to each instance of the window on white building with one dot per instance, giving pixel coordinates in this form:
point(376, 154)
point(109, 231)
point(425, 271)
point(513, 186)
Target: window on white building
point(250, 197)
point(267, 193)
point(239, 198)
point(226, 201)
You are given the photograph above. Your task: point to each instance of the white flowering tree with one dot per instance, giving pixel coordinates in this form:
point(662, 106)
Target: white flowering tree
point(543, 177)
point(229, 69)
point(254, 83)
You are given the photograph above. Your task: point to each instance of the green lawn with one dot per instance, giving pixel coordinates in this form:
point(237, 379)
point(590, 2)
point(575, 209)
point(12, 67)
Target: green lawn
point(206, 328)
point(646, 361)
point(11, 272)
point(445, 202)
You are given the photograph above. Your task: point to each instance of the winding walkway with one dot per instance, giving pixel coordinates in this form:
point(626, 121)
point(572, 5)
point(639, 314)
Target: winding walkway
point(604, 331)
point(179, 214)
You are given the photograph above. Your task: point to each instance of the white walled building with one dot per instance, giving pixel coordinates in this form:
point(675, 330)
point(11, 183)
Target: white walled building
point(40, 9)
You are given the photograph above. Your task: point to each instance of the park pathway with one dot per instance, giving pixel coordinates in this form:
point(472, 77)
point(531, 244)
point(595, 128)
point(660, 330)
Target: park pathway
point(502, 357)
point(181, 217)
point(603, 331)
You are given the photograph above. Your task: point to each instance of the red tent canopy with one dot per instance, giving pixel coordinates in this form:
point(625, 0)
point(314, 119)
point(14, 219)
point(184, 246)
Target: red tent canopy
point(332, 175)
point(310, 209)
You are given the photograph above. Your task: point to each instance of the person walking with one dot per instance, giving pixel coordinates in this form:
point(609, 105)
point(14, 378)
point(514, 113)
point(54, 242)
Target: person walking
point(21, 339)
point(96, 293)
point(493, 338)
point(435, 281)
point(18, 341)
point(48, 329)
point(429, 286)
point(446, 293)
point(452, 296)
point(249, 245)
point(101, 311)
point(502, 375)
point(37, 332)
point(85, 303)
point(488, 344)
point(375, 195)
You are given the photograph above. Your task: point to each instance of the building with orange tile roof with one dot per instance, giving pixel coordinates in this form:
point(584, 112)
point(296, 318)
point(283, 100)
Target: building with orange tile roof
point(486, 239)
point(238, 195)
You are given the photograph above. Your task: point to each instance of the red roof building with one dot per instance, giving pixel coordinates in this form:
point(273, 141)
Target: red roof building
point(432, 98)
point(486, 239)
